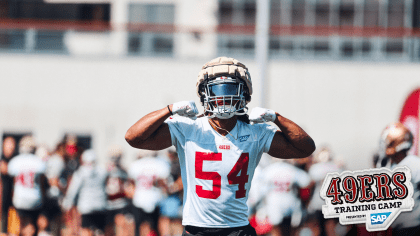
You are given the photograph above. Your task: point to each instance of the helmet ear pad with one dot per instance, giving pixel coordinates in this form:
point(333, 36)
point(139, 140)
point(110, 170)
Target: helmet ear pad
point(246, 89)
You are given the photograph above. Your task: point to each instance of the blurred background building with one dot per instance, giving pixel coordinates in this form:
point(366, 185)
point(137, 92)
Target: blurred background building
point(340, 68)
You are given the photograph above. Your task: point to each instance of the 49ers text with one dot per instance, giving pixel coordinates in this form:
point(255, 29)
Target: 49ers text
point(361, 188)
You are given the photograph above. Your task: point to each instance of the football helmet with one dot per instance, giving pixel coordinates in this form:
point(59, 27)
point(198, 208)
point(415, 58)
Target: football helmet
point(395, 138)
point(224, 87)
point(324, 154)
point(27, 144)
point(88, 157)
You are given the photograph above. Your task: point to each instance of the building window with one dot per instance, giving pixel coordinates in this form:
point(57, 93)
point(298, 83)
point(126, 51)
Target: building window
point(237, 12)
point(239, 45)
point(49, 41)
point(371, 13)
point(346, 13)
point(235, 18)
point(225, 12)
point(298, 12)
point(12, 39)
point(275, 9)
point(322, 14)
point(152, 13)
point(151, 29)
point(395, 13)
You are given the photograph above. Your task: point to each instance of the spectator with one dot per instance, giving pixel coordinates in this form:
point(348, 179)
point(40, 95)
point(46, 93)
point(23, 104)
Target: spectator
point(9, 147)
point(115, 189)
point(52, 212)
point(170, 222)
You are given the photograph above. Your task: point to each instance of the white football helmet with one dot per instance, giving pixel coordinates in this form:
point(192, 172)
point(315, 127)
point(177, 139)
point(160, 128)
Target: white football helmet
point(224, 87)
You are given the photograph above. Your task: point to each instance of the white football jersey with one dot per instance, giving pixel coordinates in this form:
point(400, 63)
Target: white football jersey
point(145, 172)
point(281, 181)
point(410, 218)
point(87, 185)
point(318, 172)
point(27, 170)
point(55, 166)
point(217, 170)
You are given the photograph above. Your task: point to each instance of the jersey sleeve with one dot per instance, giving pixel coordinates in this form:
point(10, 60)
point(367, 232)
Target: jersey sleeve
point(266, 136)
point(179, 127)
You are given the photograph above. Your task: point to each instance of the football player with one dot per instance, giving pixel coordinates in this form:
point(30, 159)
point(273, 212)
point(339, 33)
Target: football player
point(29, 185)
point(87, 188)
point(395, 142)
point(285, 184)
point(219, 151)
point(323, 164)
point(146, 173)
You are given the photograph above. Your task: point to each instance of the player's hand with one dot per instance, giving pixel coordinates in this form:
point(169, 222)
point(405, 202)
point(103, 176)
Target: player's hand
point(261, 115)
point(185, 108)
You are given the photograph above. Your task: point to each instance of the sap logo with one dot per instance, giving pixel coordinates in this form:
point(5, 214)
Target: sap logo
point(244, 138)
point(379, 218)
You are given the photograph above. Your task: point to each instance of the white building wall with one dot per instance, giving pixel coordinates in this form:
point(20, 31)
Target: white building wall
point(344, 105)
point(196, 24)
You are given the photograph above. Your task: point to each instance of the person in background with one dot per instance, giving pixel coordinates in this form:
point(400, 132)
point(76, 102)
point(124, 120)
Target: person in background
point(286, 195)
point(170, 222)
point(9, 147)
point(87, 188)
point(323, 164)
point(29, 185)
point(72, 162)
point(72, 157)
point(115, 189)
point(147, 174)
point(51, 213)
point(395, 142)
point(256, 207)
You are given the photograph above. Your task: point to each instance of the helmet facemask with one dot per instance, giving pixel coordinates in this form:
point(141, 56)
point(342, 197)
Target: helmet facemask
point(224, 97)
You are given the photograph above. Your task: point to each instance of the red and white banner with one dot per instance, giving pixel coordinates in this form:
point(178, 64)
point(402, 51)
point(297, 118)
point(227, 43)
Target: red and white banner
point(410, 118)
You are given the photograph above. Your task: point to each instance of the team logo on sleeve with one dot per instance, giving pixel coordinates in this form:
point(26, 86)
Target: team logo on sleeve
point(374, 196)
point(243, 138)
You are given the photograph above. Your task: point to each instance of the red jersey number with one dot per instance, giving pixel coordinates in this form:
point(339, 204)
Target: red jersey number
point(241, 168)
point(26, 179)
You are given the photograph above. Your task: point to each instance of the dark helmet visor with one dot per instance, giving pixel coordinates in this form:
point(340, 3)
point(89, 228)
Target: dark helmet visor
point(224, 89)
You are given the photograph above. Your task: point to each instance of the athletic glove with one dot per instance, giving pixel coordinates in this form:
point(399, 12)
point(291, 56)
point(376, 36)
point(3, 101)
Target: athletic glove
point(185, 108)
point(261, 115)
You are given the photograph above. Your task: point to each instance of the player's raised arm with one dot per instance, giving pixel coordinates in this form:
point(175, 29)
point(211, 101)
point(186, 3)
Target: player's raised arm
point(291, 142)
point(151, 133)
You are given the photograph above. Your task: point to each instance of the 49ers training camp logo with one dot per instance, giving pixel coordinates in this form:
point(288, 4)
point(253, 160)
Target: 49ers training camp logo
point(374, 196)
